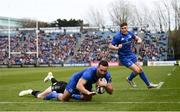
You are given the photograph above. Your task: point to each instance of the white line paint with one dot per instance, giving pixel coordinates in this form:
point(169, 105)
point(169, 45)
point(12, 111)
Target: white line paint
point(48, 102)
point(93, 111)
point(160, 84)
point(144, 89)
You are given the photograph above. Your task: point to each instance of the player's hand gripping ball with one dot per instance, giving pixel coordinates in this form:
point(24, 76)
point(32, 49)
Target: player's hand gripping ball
point(100, 85)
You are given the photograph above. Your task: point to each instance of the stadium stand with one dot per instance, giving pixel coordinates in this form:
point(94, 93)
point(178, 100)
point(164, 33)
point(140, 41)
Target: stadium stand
point(75, 47)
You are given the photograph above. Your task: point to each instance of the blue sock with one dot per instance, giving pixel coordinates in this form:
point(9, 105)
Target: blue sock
point(144, 78)
point(51, 95)
point(132, 75)
point(76, 96)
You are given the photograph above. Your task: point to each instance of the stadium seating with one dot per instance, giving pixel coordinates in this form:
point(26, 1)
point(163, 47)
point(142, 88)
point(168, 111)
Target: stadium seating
point(57, 47)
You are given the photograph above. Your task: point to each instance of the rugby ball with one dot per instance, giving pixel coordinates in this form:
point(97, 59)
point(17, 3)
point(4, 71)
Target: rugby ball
point(101, 90)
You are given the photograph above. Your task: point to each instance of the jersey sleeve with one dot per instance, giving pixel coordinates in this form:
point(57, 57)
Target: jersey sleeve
point(133, 36)
point(108, 78)
point(87, 75)
point(115, 40)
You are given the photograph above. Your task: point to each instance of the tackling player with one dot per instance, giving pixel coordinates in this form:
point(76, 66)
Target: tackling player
point(57, 86)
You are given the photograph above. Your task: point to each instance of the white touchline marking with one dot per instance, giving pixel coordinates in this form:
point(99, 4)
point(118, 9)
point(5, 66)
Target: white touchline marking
point(113, 102)
point(160, 84)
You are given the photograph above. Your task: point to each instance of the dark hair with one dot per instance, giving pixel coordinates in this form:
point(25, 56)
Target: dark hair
point(103, 63)
point(123, 24)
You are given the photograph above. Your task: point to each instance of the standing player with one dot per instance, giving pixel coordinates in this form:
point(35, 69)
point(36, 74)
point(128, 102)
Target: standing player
point(81, 83)
point(123, 42)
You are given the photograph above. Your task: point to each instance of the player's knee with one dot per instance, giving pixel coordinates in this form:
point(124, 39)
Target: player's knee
point(138, 71)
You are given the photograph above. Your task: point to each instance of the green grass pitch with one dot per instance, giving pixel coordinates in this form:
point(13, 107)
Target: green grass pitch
point(124, 98)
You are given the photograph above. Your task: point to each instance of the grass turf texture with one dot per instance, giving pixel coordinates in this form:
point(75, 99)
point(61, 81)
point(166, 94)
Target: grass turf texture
point(124, 98)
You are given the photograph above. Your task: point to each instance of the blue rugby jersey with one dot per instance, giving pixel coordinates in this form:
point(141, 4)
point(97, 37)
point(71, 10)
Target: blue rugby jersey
point(126, 41)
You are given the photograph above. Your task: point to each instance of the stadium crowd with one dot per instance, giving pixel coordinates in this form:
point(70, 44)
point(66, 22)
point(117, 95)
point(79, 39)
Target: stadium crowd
point(55, 48)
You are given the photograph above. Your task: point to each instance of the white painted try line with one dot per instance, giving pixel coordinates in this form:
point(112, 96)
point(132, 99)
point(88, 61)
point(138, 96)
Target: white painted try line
point(140, 102)
point(144, 89)
point(160, 84)
point(96, 111)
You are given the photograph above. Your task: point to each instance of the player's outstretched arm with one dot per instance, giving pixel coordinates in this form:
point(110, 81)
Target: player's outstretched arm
point(109, 88)
point(82, 89)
